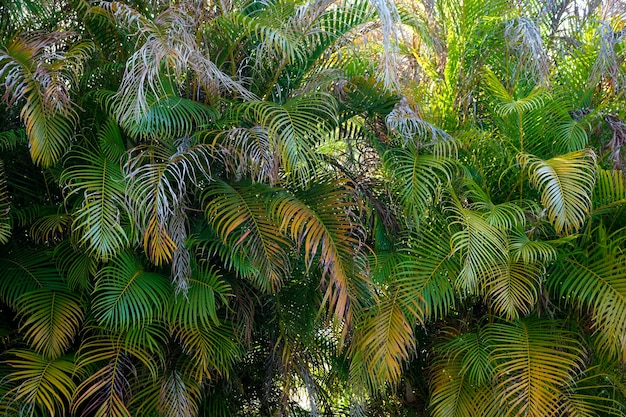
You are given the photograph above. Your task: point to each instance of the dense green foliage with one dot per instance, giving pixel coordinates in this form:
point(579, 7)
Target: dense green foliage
point(312, 208)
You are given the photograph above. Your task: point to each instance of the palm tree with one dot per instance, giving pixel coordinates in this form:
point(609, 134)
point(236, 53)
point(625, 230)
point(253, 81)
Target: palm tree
point(227, 208)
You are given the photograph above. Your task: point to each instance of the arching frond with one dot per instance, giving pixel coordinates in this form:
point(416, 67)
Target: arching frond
point(198, 307)
point(112, 362)
point(77, 266)
point(240, 218)
point(294, 129)
point(566, 183)
point(505, 215)
point(597, 282)
point(417, 178)
point(26, 271)
point(460, 377)
point(43, 79)
point(174, 395)
point(318, 219)
point(427, 275)
point(513, 288)
point(610, 193)
point(533, 360)
point(212, 348)
point(125, 294)
point(51, 320)
point(506, 104)
point(99, 219)
point(384, 340)
point(165, 117)
point(166, 50)
point(43, 384)
point(158, 178)
point(481, 246)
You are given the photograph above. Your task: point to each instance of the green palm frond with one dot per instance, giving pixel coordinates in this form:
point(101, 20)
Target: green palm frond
point(428, 274)
point(99, 219)
point(212, 348)
point(125, 294)
point(528, 251)
point(77, 267)
point(505, 215)
point(165, 117)
point(50, 320)
point(533, 361)
point(481, 246)
point(506, 104)
point(26, 271)
point(418, 179)
point(384, 340)
point(513, 288)
point(111, 363)
point(42, 384)
point(239, 216)
point(596, 282)
point(609, 196)
point(460, 377)
point(174, 394)
point(198, 307)
point(44, 82)
point(566, 183)
point(294, 129)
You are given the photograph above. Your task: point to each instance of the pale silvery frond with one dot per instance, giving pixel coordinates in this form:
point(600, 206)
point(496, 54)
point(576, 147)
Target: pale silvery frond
point(523, 37)
point(389, 22)
point(168, 41)
point(405, 120)
point(608, 61)
point(157, 193)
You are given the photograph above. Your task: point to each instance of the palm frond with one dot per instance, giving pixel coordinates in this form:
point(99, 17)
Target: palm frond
point(418, 179)
point(157, 181)
point(112, 362)
point(610, 193)
point(166, 49)
point(198, 307)
point(43, 384)
point(165, 117)
point(99, 219)
point(384, 340)
point(26, 271)
point(212, 348)
point(481, 246)
point(506, 103)
point(77, 267)
point(239, 217)
point(125, 294)
point(294, 129)
point(318, 219)
point(513, 288)
point(533, 360)
point(460, 377)
point(51, 320)
point(428, 274)
point(596, 282)
point(566, 183)
point(43, 79)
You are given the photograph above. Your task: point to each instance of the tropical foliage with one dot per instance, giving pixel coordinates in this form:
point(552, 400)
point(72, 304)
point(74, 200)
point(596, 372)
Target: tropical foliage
point(327, 207)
